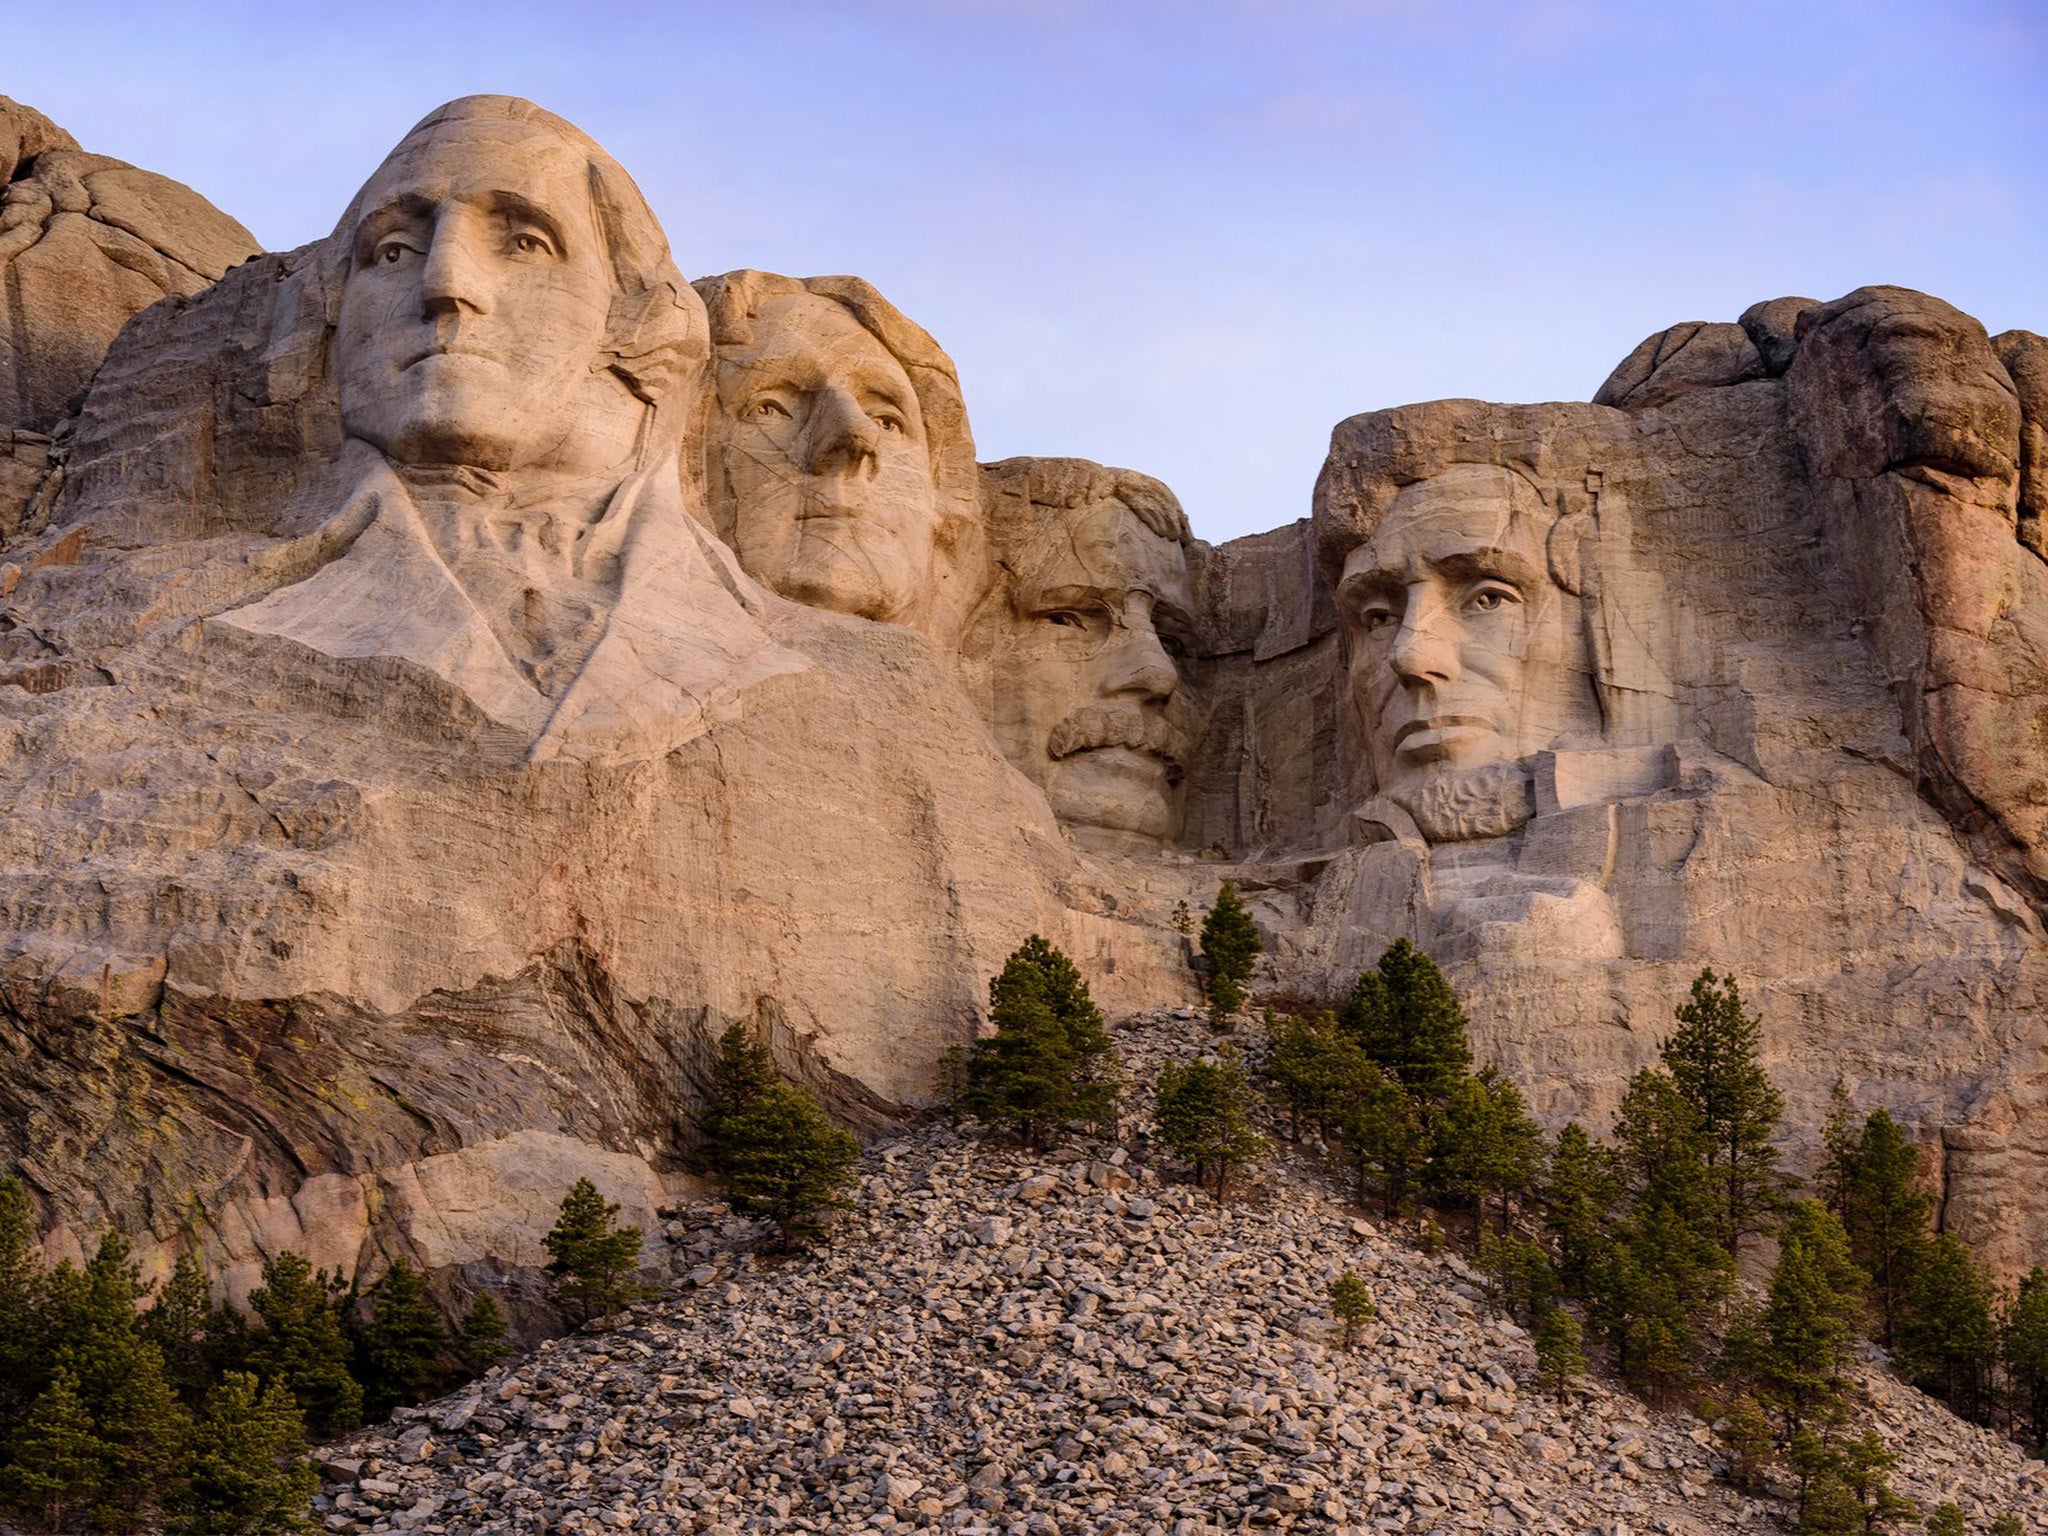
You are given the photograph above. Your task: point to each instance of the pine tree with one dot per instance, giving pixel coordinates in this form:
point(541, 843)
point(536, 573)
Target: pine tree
point(303, 1345)
point(1866, 1468)
point(1351, 1305)
point(591, 1258)
point(243, 1472)
point(405, 1343)
point(1948, 1520)
point(789, 1163)
point(2023, 1351)
point(1487, 1148)
point(1050, 1060)
point(1410, 1022)
point(1523, 1282)
point(1713, 1060)
point(176, 1323)
point(1947, 1340)
point(482, 1337)
point(1746, 1433)
point(1206, 1115)
point(1812, 1319)
point(1664, 1271)
point(1885, 1213)
point(740, 1074)
point(1560, 1350)
point(22, 1287)
point(1385, 1136)
point(1578, 1203)
point(57, 1465)
point(2007, 1524)
point(95, 1333)
point(1318, 1072)
point(1231, 946)
point(1838, 1137)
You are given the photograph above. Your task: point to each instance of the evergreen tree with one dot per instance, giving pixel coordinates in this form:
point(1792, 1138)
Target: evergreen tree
point(22, 1286)
point(1351, 1305)
point(1206, 1115)
point(302, 1344)
point(1523, 1282)
point(1812, 1319)
point(1050, 1061)
point(1826, 1505)
point(2007, 1524)
point(2023, 1351)
point(1578, 1203)
point(1839, 1135)
point(1947, 1340)
point(1385, 1136)
point(1318, 1071)
point(243, 1472)
point(1231, 946)
point(591, 1258)
point(1713, 1060)
point(1885, 1213)
point(1560, 1350)
point(1664, 1270)
point(1487, 1148)
point(405, 1344)
point(1410, 1022)
point(1948, 1520)
point(95, 1334)
point(789, 1163)
point(1746, 1433)
point(1866, 1468)
point(482, 1337)
point(57, 1465)
point(180, 1322)
point(741, 1073)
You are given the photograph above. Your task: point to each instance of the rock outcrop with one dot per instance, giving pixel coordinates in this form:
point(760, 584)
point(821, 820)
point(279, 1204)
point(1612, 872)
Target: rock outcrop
point(458, 666)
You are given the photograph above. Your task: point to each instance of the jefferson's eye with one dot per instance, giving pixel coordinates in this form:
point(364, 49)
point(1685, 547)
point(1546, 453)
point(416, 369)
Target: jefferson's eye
point(888, 422)
point(767, 410)
point(527, 243)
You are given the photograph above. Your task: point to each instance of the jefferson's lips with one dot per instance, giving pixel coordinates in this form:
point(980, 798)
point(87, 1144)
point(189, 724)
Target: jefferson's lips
point(425, 353)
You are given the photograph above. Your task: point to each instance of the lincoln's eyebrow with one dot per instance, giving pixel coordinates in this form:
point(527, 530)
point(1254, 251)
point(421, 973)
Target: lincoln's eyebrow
point(1478, 564)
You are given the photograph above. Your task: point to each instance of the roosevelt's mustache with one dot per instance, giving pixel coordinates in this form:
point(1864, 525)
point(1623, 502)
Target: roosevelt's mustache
point(1114, 725)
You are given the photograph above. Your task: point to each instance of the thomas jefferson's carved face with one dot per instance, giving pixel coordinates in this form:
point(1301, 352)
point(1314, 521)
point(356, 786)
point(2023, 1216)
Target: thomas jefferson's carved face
point(1088, 696)
point(476, 307)
point(823, 450)
point(1464, 650)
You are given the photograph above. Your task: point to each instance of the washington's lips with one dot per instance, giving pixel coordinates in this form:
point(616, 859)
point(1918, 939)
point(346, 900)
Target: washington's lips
point(1435, 724)
point(1098, 727)
point(427, 354)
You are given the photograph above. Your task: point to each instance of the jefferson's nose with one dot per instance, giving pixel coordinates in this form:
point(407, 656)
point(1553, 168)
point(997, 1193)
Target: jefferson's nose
point(1425, 649)
point(455, 278)
point(839, 436)
point(1138, 666)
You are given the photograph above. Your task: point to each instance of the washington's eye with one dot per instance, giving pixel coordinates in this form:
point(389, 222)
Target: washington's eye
point(390, 252)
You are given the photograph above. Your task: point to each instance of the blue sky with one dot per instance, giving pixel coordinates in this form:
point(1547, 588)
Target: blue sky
point(1187, 238)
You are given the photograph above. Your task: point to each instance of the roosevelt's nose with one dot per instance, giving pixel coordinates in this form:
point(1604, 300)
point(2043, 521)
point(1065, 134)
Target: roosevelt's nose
point(455, 278)
point(1425, 649)
point(839, 435)
point(1138, 666)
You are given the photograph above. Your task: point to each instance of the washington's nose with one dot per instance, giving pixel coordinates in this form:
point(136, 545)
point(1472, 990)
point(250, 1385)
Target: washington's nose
point(839, 436)
point(453, 280)
point(1424, 651)
point(1139, 666)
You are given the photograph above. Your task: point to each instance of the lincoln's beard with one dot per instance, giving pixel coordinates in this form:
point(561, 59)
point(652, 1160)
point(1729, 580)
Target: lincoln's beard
point(1457, 805)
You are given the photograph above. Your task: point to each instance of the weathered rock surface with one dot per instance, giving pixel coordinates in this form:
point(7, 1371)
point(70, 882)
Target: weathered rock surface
point(1080, 1345)
point(86, 242)
point(447, 672)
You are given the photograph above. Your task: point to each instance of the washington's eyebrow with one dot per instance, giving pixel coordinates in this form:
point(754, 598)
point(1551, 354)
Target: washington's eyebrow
point(406, 208)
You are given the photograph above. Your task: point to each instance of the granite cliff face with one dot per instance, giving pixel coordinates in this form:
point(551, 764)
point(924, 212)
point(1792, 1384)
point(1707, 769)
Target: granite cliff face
point(453, 669)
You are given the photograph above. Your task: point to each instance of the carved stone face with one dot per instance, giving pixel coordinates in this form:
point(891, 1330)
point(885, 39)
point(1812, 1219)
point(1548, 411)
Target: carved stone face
point(476, 305)
point(823, 449)
point(1464, 651)
point(1088, 702)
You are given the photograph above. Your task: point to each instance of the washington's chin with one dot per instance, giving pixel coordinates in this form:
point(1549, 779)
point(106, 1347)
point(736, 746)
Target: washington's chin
point(1115, 798)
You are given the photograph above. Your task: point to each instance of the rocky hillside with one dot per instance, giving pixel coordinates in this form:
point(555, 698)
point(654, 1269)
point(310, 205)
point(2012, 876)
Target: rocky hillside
point(1077, 1344)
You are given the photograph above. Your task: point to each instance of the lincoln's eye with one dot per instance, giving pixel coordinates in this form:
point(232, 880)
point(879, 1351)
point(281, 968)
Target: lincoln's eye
point(1489, 599)
point(1375, 618)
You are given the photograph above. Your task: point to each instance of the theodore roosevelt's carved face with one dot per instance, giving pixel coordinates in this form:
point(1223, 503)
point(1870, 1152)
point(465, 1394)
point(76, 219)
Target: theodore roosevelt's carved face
point(1464, 650)
point(476, 307)
point(823, 449)
point(1088, 702)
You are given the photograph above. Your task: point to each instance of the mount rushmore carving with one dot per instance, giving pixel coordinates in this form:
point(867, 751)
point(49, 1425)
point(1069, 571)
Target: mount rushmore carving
point(453, 669)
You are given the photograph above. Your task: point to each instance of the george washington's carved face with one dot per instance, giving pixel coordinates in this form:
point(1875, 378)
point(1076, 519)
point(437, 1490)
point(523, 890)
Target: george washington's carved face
point(1465, 653)
point(822, 445)
point(476, 307)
